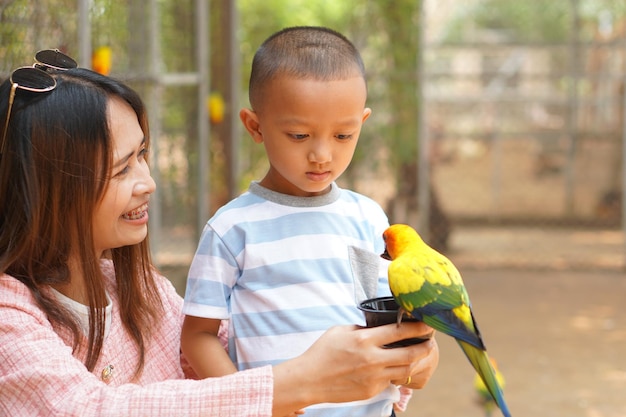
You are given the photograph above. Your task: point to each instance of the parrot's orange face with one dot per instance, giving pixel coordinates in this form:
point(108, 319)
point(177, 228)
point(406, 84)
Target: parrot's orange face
point(396, 237)
point(388, 238)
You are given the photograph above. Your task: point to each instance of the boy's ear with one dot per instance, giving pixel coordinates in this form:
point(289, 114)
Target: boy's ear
point(367, 112)
point(250, 121)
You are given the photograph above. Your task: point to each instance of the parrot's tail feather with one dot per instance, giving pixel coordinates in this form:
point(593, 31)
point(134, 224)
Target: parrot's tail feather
point(480, 362)
point(447, 322)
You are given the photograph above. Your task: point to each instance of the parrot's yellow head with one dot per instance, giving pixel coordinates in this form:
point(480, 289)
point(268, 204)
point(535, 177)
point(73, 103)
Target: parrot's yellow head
point(397, 237)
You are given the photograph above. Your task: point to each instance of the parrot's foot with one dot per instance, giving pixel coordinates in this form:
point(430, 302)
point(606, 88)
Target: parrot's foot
point(400, 314)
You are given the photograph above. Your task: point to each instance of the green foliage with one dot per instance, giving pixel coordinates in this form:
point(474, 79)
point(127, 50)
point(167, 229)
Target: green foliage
point(27, 26)
point(401, 26)
point(109, 27)
point(178, 46)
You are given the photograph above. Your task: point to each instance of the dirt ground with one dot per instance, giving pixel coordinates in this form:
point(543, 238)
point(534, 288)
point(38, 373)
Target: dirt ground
point(559, 339)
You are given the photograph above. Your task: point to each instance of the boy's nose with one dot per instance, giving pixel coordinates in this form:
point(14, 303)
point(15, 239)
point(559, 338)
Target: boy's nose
point(321, 152)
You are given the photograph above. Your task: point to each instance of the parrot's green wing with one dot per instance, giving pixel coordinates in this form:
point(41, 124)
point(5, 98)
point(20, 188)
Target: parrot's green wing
point(439, 299)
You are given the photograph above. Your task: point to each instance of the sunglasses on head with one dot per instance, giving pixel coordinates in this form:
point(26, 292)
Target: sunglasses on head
point(36, 79)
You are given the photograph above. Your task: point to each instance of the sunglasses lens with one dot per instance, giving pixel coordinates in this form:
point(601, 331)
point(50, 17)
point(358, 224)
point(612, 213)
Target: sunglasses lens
point(55, 59)
point(32, 79)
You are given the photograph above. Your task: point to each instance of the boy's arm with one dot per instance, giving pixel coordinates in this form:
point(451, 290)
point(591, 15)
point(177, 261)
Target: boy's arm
point(203, 349)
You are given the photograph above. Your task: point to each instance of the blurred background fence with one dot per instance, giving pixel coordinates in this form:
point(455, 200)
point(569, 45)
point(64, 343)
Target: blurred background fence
point(527, 138)
point(497, 127)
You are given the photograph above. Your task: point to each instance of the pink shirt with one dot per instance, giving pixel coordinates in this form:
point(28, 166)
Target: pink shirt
point(39, 375)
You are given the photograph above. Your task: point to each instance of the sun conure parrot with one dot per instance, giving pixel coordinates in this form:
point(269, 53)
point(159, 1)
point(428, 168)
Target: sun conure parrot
point(101, 60)
point(484, 397)
point(216, 107)
point(428, 286)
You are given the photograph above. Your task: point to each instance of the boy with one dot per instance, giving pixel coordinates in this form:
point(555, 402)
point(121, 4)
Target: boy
point(295, 254)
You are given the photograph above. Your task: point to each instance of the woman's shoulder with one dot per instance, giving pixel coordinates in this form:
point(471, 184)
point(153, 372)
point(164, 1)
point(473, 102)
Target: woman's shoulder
point(16, 299)
point(12, 288)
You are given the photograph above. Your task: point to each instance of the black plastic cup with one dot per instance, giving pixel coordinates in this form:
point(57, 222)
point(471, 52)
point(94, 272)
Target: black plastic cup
point(384, 310)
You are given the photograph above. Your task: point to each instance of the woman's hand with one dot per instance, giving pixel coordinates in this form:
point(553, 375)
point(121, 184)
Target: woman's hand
point(424, 369)
point(348, 363)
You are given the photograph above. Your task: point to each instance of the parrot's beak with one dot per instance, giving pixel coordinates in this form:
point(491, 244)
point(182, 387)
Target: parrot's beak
point(385, 255)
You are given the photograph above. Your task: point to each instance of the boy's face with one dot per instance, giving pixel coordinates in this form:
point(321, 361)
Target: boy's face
point(310, 129)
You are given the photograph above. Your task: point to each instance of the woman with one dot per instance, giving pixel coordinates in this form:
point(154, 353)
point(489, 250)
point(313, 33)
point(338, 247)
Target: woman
point(87, 325)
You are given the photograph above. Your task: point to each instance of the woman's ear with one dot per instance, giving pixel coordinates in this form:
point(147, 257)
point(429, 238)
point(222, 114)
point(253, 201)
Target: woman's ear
point(250, 121)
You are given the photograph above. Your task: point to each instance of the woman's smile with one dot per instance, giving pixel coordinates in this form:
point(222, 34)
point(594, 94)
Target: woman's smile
point(136, 214)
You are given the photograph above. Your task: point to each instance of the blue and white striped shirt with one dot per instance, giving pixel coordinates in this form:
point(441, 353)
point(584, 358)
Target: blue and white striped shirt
point(283, 269)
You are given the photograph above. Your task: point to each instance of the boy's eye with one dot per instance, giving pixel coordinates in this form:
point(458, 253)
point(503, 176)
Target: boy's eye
point(299, 136)
point(343, 137)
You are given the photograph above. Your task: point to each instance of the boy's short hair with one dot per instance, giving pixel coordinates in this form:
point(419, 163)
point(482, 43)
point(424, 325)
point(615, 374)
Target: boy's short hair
point(312, 52)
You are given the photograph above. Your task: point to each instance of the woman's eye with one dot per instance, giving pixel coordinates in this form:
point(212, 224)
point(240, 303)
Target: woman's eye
point(122, 172)
point(141, 156)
